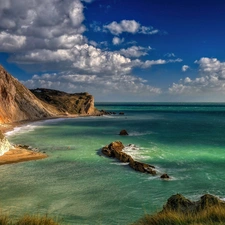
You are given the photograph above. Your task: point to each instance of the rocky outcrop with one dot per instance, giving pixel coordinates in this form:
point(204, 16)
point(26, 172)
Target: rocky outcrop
point(142, 167)
point(115, 150)
point(17, 103)
point(77, 103)
point(179, 203)
point(4, 144)
point(165, 176)
point(123, 132)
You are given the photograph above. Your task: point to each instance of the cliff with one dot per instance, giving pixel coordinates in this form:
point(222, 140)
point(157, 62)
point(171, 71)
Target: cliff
point(17, 103)
point(77, 103)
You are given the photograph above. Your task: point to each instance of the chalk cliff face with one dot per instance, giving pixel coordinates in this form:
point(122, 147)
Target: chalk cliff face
point(4, 144)
point(17, 103)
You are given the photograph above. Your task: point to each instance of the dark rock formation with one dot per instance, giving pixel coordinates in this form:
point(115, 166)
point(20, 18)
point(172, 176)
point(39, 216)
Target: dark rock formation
point(123, 132)
point(121, 113)
point(103, 112)
point(142, 167)
point(165, 176)
point(77, 103)
point(179, 203)
point(114, 150)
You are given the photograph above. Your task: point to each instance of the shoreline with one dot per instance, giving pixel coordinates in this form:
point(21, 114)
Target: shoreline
point(17, 155)
point(20, 154)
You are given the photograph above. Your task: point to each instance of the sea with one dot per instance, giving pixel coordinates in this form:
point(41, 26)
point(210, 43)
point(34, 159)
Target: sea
point(76, 184)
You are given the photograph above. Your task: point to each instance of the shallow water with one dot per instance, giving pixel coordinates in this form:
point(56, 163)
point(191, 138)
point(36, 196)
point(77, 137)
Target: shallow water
point(77, 184)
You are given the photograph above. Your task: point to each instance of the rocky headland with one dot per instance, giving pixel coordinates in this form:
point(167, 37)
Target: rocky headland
point(19, 105)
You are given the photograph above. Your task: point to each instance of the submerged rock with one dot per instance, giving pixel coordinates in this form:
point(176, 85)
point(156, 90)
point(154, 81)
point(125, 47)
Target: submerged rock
point(123, 132)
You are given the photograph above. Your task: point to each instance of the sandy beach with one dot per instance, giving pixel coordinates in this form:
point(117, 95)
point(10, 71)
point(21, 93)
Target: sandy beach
point(18, 154)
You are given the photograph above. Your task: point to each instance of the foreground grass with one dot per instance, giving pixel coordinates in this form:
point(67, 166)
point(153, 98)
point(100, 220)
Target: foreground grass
point(209, 216)
point(28, 220)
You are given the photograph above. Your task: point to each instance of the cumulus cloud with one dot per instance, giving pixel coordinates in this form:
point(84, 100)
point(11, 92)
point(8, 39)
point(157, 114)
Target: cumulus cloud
point(134, 51)
point(117, 41)
point(129, 26)
point(126, 84)
point(211, 79)
point(49, 35)
point(185, 68)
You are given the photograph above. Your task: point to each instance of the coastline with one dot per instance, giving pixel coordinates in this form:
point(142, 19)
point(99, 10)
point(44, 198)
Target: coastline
point(20, 154)
point(17, 155)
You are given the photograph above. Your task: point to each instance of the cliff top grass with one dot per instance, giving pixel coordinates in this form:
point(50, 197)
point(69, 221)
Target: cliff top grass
point(28, 220)
point(209, 210)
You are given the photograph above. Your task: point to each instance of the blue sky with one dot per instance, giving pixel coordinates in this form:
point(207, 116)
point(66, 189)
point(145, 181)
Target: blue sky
point(117, 50)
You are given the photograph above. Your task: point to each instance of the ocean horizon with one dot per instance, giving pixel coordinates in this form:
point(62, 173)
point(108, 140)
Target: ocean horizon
point(79, 185)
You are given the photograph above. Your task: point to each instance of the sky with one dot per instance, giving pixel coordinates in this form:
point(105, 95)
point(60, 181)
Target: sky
point(117, 50)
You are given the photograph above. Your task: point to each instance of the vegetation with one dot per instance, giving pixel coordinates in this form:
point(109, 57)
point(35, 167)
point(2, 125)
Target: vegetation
point(209, 210)
point(28, 220)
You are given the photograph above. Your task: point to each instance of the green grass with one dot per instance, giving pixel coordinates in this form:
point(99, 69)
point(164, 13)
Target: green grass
point(28, 220)
point(209, 216)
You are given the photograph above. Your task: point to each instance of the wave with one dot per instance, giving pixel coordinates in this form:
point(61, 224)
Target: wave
point(32, 126)
point(136, 133)
point(136, 152)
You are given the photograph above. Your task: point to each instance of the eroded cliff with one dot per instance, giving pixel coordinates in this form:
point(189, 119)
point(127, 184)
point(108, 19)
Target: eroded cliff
point(17, 103)
point(65, 103)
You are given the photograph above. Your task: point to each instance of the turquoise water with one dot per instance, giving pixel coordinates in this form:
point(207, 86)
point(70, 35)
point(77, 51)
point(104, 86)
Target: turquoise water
point(77, 184)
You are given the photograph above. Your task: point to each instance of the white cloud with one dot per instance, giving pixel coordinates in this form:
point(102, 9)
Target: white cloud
point(126, 84)
point(49, 35)
point(134, 51)
point(11, 43)
point(185, 68)
point(40, 24)
point(211, 79)
point(129, 26)
point(117, 41)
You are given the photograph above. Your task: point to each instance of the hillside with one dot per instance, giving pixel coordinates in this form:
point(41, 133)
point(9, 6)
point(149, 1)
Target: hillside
point(17, 103)
point(78, 103)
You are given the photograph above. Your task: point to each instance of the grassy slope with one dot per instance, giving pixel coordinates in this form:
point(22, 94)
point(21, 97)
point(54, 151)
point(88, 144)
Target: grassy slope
point(28, 220)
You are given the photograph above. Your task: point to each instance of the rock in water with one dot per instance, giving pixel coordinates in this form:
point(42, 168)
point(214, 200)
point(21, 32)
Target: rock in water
point(114, 150)
point(4, 144)
point(123, 132)
point(165, 176)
